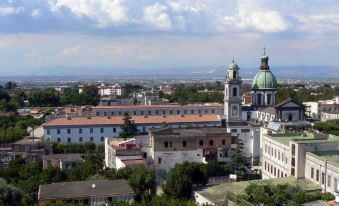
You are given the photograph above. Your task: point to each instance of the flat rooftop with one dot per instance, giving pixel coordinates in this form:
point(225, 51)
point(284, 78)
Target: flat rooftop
point(217, 193)
point(331, 157)
point(303, 138)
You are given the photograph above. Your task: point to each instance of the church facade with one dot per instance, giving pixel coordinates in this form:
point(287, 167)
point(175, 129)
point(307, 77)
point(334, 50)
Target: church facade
point(245, 122)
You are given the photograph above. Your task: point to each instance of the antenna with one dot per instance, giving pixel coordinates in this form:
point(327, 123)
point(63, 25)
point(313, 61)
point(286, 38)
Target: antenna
point(233, 59)
point(264, 50)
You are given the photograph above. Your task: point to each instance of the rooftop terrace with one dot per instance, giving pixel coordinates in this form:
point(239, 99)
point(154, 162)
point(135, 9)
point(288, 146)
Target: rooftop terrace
point(217, 193)
point(303, 138)
point(331, 157)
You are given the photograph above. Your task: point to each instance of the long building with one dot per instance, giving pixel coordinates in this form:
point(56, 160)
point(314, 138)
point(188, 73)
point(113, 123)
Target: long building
point(95, 129)
point(305, 155)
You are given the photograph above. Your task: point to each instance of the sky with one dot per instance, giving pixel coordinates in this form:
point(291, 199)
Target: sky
point(161, 34)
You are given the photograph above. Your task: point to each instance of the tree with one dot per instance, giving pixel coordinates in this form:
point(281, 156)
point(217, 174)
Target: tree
point(9, 195)
point(128, 129)
point(238, 161)
point(142, 181)
point(181, 179)
point(91, 94)
point(10, 85)
point(45, 97)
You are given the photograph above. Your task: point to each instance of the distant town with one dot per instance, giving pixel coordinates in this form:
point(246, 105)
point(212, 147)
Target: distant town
point(170, 141)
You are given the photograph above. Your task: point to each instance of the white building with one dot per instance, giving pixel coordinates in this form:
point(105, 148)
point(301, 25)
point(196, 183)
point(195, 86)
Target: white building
point(171, 146)
point(322, 110)
point(95, 129)
point(110, 90)
point(305, 155)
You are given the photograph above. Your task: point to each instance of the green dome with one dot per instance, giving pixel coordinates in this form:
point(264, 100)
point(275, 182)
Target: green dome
point(264, 79)
point(233, 65)
point(264, 56)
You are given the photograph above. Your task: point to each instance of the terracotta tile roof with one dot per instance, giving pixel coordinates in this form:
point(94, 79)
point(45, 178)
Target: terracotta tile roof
point(118, 120)
point(159, 106)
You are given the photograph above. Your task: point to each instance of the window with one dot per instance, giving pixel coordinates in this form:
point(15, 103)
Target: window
point(91, 130)
point(101, 130)
point(235, 91)
point(258, 99)
point(293, 162)
point(68, 139)
point(317, 176)
point(159, 160)
point(156, 112)
point(166, 144)
point(144, 129)
point(234, 74)
point(269, 96)
point(201, 142)
point(265, 148)
point(80, 139)
point(142, 112)
point(268, 166)
point(206, 111)
point(211, 142)
point(275, 171)
point(185, 111)
point(184, 143)
point(105, 113)
point(80, 131)
point(265, 165)
point(163, 112)
point(102, 139)
point(192, 111)
point(68, 131)
point(112, 113)
point(335, 184)
point(322, 178)
point(48, 131)
point(119, 113)
point(178, 111)
point(292, 171)
point(91, 139)
point(245, 130)
point(59, 139)
point(329, 181)
point(98, 114)
point(171, 112)
point(312, 172)
point(114, 130)
point(135, 112)
point(149, 112)
point(58, 131)
point(223, 142)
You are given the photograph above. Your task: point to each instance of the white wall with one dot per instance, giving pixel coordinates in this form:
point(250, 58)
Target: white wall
point(201, 200)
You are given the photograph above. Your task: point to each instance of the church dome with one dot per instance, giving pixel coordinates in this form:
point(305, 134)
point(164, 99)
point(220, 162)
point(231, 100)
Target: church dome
point(264, 79)
point(233, 65)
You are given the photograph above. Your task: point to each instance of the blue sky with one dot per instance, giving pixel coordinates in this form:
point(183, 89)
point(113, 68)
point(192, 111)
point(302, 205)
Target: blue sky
point(168, 33)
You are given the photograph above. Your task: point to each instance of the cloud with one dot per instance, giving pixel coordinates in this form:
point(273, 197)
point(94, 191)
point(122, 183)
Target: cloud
point(4, 11)
point(103, 12)
point(157, 17)
point(69, 52)
point(36, 13)
point(255, 16)
point(321, 23)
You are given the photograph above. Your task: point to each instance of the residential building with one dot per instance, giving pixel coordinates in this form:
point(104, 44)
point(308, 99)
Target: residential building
point(62, 161)
point(119, 154)
point(109, 90)
point(91, 192)
point(29, 150)
point(171, 146)
point(316, 110)
point(95, 129)
point(325, 116)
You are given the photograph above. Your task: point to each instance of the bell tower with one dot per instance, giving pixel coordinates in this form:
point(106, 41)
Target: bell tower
point(232, 94)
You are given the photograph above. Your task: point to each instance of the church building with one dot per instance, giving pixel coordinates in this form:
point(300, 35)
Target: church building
point(245, 121)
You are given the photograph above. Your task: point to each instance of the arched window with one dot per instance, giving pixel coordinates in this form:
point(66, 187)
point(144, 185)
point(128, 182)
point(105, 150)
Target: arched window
point(234, 74)
point(235, 92)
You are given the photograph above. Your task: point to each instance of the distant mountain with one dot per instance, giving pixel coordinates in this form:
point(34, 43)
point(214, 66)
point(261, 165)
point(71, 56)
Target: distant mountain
point(288, 72)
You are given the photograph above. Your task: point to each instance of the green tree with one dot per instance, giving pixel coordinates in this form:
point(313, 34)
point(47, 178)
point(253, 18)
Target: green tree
point(10, 85)
point(128, 129)
point(142, 181)
point(182, 178)
point(238, 161)
point(9, 195)
point(45, 97)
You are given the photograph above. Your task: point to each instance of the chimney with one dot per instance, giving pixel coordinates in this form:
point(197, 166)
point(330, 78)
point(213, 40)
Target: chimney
point(108, 117)
point(88, 117)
